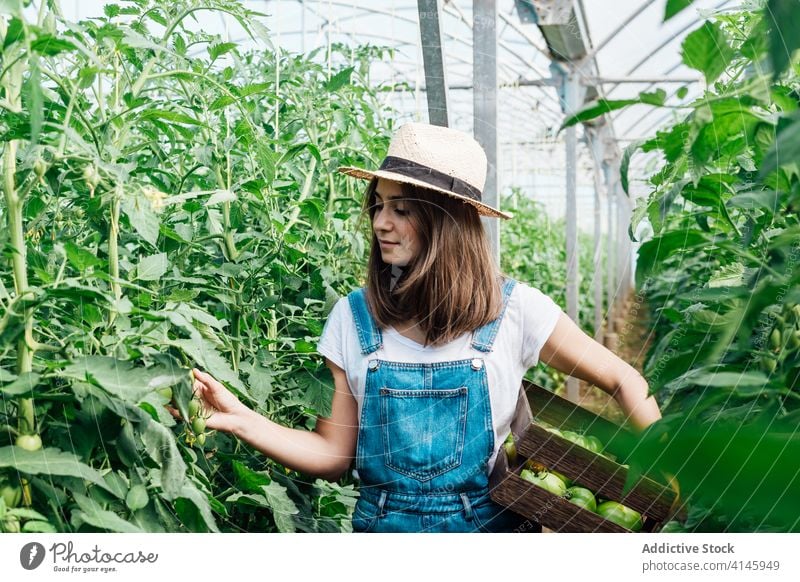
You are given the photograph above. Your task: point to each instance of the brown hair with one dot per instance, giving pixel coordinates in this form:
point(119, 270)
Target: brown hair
point(452, 286)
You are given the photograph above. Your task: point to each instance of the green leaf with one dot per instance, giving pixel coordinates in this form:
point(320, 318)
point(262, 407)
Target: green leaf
point(625, 163)
point(49, 461)
point(765, 199)
point(162, 448)
point(707, 50)
point(785, 149)
point(598, 108)
point(38, 527)
point(784, 35)
point(92, 513)
point(14, 33)
point(653, 252)
point(156, 114)
point(137, 497)
point(49, 45)
point(152, 268)
point(79, 257)
point(142, 218)
point(217, 50)
point(674, 7)
point(122, 378)
point(247, 479)
point(283, 508)
point(203, 352)
point(190, 492)
point(339, 80)
point(24, 384)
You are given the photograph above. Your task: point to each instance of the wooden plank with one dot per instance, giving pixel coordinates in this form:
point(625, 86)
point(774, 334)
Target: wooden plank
point(553, 512)
point(603, 476)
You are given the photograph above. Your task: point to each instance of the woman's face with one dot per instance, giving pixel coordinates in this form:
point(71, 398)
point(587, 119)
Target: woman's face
point(391, 223)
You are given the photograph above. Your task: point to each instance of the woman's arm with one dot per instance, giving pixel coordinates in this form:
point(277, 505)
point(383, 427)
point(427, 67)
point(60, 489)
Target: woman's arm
point(325, 452)
point(571, 351)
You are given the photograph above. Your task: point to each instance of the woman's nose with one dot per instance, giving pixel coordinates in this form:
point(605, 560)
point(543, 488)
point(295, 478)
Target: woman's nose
point(380, 221)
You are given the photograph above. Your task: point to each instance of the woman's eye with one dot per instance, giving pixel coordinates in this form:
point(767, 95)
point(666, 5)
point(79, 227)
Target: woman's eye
point(401, 212)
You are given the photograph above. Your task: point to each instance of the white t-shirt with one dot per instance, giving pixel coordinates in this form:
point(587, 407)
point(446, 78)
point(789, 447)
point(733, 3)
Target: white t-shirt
point(527, 324)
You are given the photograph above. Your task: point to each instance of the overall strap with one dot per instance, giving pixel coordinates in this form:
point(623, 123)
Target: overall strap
point(369, 335)
point(483, 338)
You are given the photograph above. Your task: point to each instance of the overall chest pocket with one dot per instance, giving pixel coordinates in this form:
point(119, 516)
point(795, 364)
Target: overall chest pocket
point(423, 430)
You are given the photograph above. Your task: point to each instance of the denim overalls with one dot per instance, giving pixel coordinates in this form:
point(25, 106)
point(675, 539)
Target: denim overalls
point(425, 438)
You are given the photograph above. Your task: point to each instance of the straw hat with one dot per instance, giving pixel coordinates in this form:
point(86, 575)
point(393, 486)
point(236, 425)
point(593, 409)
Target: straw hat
point(437, 158)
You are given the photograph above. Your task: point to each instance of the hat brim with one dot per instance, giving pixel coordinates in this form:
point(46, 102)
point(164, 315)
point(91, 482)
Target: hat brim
point(360, 173)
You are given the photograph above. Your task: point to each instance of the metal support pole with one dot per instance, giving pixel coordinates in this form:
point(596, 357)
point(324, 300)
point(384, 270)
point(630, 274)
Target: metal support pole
point(597, 259)
point(611, 247)
point(433, 58)
point(622, 237)
point(572, 104)
point(484, 72)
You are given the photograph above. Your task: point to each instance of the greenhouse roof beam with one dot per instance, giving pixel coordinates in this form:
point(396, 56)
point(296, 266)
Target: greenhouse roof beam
point(430, 30)
point(635, 14)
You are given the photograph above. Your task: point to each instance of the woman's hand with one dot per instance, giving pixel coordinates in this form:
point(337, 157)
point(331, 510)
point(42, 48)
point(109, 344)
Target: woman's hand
point(571, 351)
point(221, 409)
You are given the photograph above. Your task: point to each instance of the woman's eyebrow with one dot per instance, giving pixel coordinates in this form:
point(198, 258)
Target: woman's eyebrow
point(392, 197)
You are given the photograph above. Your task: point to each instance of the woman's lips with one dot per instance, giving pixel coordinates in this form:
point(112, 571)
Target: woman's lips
point(384, 243)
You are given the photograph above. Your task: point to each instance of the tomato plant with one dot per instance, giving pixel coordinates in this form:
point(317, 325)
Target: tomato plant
point(169, 202)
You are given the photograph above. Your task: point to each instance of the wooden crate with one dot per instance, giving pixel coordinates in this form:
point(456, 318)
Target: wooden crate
point(606, 478)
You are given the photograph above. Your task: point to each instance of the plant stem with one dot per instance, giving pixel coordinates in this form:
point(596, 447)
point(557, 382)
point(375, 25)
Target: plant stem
point(12, 84)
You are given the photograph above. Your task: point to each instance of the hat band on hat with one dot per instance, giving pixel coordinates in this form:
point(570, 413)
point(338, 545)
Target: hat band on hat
point(430, 176)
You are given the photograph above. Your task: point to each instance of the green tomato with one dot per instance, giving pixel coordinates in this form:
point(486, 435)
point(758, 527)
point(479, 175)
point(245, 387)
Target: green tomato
point(165, 392)
point(90, 176)
point(29, 442)
point(775, 339)
point(39, 167)
point(194, 407)
point(198, 425)
point(794, 340)
point(546, 481)
point(567, 481)
point(620, 514)
point(10, 524)
point(201, 439)
point(11, 494)
point(510, 448)
point(582, 497)
point(594, 444)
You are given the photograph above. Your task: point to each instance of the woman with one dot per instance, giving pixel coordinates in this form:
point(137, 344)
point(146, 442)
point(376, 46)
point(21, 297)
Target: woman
point(427, 360)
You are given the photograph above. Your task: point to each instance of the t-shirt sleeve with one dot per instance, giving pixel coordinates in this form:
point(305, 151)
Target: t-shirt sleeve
point(539, 317)
point(331, 343)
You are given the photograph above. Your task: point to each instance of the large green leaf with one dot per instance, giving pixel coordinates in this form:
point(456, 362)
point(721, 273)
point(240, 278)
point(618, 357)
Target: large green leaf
point(274, 497)
point(49, 461)
point(783, 16)
point(93, 513)
point(121, 377)
point(190, 492)
point(746, 472)
point(656, 250)
point(707, 50)
point(205, 354)
point(152, 268)
point(598, 108)
point(786, 147)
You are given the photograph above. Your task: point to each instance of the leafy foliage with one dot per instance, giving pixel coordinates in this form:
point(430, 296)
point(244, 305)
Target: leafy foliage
point(165, 207)
point(721, 274)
